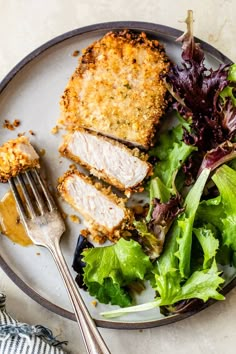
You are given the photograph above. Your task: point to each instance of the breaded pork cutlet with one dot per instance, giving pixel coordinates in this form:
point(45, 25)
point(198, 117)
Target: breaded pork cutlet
point(117, 88)
point(16, 156)
point(104, 212)
point(106, 158)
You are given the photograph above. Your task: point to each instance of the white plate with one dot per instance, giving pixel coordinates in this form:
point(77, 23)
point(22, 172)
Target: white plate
point(31, 93)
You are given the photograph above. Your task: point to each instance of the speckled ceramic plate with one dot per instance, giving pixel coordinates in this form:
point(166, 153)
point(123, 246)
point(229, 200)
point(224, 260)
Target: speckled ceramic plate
point(30, 93)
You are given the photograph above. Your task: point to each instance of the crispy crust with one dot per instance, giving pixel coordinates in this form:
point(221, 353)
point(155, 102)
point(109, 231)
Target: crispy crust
point(117, 88)
point(98, 232)
point(101, 174)
point(13, 161)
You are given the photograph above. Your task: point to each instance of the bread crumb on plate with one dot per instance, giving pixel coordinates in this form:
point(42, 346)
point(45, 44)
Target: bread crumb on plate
point(75, 219)
point(11, 126)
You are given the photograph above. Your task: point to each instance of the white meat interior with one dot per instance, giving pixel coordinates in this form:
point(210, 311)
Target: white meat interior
point(93, 203)
point(27, 150)
point(113, 160)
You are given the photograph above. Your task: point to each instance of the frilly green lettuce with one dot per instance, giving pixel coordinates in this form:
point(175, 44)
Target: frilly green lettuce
point(109, 270)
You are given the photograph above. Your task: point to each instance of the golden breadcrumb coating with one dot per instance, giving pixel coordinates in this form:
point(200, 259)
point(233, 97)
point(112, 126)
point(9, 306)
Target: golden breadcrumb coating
point(117, 88)
point(16, 156)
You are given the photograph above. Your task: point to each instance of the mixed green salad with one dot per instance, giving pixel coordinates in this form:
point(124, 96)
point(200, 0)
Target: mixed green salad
point(188, 234)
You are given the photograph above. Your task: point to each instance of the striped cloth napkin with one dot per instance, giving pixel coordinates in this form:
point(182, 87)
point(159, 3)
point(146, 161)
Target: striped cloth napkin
point(21, 338)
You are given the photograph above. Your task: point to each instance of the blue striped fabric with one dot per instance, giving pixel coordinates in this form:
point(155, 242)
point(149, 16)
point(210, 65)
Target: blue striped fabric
point(21, 338)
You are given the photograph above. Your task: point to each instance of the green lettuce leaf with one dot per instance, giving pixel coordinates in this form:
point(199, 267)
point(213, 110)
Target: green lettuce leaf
point(208, 242)
point(221, 211)
point(232, 164)
point(232, 73)
point(225, 180)
point(210, 212)
point(110, 269)
point(185, 224)
point(171, 152)
point(168, 261)
point(110, 292)
point(202, 285)
point(228, 91)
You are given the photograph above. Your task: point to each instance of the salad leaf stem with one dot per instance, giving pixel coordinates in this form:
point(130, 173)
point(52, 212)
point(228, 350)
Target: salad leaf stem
point(186, 221)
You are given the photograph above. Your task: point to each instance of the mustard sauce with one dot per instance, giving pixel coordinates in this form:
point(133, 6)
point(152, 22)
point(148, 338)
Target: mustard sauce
point(10, 224)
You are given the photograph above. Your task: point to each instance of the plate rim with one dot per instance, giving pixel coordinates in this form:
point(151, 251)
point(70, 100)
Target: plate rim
point(104, 26)
point(114, 25)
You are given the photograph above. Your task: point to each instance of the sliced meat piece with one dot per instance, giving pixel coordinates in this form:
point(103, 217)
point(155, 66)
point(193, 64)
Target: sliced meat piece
point(104, 211)
point(16, 156)
point(117, 88)
point(106, 159)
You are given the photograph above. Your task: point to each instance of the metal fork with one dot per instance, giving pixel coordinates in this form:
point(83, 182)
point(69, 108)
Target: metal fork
point(44, 225)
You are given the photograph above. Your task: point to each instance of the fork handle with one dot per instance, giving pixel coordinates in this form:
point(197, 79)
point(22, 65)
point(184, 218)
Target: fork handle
point(92, 339)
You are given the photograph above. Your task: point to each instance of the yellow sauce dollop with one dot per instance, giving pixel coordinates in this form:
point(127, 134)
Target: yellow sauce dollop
point(10, 224)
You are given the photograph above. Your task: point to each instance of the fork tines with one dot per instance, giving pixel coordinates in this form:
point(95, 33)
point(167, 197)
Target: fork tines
point(33, 198)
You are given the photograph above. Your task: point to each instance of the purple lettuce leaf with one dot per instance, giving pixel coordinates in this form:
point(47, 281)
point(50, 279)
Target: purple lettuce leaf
point(218, 156)
point(153, 233)
point(196, 90)
point(190, 49)
point(164, 213)
point(228, 110)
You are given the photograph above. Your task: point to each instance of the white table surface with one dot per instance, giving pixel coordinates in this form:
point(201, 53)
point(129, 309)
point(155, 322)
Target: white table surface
point(26, 24)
